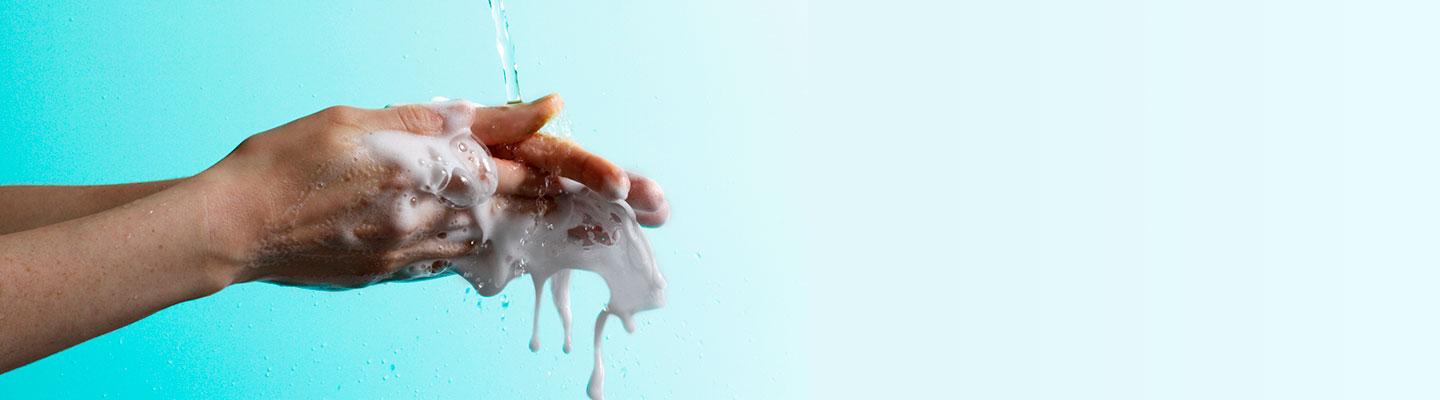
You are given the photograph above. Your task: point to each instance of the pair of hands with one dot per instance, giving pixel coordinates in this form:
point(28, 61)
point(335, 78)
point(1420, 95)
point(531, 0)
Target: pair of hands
point(286, 187)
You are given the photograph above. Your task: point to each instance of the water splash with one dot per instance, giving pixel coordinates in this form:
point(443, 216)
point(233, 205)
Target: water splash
point(506, 47)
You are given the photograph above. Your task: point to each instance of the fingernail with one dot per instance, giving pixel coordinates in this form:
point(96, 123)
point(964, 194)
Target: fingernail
point(552, 103)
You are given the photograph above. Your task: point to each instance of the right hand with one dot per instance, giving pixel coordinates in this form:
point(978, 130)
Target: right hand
point(283, 192)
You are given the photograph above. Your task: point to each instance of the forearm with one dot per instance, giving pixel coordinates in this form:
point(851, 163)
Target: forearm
point(63, 284)
point(28, 207)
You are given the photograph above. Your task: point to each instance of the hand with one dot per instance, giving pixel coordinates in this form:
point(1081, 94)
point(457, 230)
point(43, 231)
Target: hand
point(304, 203)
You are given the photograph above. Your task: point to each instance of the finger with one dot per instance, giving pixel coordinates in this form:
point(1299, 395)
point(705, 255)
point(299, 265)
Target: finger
point(652, 219)
point(645, 193)
point(409, 118)
point(381, 234)
point(531, 205)
point(432, 249)
point(567, 159)
point(521, 180)
point(514, 123)
point(648, 201)
point(417, 273)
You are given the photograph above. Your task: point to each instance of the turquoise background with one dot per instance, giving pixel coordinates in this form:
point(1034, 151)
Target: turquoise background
point(1031, 199)
point(119, 91)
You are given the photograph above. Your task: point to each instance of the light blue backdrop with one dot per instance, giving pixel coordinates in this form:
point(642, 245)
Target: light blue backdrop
point(1128, 199)
point(1032, 199)
point(118, 91)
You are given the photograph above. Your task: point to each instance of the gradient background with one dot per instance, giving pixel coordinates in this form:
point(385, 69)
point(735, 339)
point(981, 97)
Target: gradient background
point(1026, 199)
point(119, 91)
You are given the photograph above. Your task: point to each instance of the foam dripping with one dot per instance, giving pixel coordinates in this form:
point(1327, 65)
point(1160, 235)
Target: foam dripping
point(511, 237)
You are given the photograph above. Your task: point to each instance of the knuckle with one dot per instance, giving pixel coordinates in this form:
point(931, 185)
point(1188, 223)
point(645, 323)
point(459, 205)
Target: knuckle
point(363, 233)
point(404, 229)
point(344, 115)
point(414, 118)
point(250, 145)
point(388, 233)
point(381, 234)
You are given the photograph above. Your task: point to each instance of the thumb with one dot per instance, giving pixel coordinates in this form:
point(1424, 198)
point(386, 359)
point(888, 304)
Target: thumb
point(513, 123)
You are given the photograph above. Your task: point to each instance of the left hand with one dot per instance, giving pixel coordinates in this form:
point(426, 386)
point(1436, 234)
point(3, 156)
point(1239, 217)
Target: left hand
point(293, 183)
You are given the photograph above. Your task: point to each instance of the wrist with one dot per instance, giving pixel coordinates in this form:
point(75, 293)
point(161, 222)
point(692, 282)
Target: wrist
point(229, 219)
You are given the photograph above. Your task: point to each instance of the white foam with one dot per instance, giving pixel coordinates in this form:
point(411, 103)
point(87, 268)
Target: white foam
point(583, 230)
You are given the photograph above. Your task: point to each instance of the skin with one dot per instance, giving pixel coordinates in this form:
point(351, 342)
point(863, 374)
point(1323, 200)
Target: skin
point(77, 262)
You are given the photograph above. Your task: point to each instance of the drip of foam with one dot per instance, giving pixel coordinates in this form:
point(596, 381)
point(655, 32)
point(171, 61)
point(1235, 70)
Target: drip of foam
point(510, 237)
point(560, 291)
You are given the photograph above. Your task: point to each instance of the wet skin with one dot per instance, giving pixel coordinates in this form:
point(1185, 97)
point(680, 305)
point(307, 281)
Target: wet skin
point(79, 261)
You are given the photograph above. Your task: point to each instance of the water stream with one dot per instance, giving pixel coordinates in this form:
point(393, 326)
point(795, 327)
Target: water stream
point(614, 247)
point(506, 47)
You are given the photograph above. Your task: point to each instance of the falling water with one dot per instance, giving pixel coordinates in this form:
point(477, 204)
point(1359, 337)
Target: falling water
point(636, 271)
point(507, 51)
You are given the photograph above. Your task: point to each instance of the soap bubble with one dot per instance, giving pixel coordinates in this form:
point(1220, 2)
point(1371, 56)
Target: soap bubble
point(459, 172)
point(460, 191)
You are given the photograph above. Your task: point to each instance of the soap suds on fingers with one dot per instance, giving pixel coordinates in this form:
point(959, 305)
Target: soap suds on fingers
point(510, 237)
